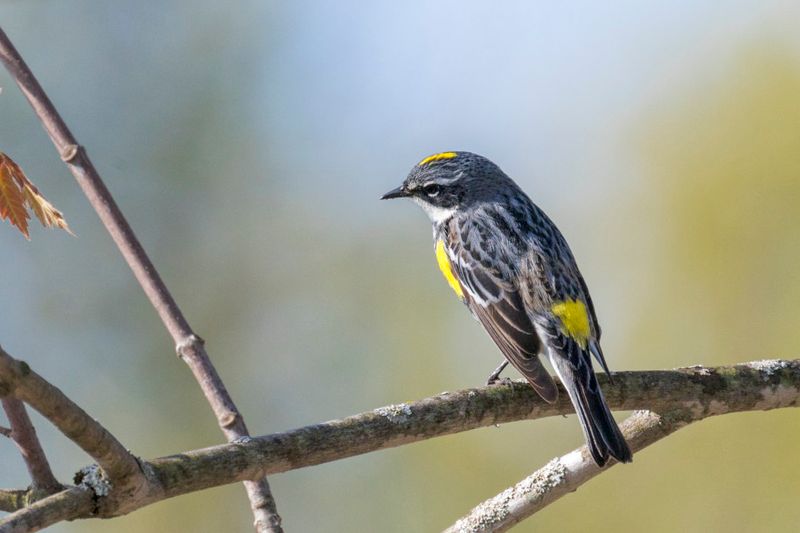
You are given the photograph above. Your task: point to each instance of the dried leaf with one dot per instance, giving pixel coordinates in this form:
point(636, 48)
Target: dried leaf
point(17, 192)
point(12, 202)
point(49, 216)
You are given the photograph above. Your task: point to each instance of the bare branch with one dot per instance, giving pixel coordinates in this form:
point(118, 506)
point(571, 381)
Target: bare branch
point(684, 394)
point(568, 472)
point(24, 435)
point(189, 345)
point(14, 499)
point(6, 432)
point(703, 391)
point(18, 380)
point(262, 503)
point(561, 476)
point(68, 504)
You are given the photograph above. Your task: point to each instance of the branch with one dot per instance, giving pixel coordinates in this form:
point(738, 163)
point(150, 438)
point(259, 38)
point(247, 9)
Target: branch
point(24, 435)
point(704, 391)
point(18, 380)
point(14, 499)
point(699, 391)
point(561, 476)
point(567, 473)
point(74, 502)
point(189, 345)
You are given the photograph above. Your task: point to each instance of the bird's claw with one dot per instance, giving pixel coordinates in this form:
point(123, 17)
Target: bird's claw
point(499, 381)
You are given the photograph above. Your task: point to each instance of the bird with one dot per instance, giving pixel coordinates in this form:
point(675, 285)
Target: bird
point(508, 262)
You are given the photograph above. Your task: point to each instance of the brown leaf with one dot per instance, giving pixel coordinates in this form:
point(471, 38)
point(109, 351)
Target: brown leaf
point(49, 216)
point(17, 192)
point(12, 202)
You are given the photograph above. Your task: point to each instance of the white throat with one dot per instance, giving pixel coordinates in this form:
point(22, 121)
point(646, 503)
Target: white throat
point(436, 214)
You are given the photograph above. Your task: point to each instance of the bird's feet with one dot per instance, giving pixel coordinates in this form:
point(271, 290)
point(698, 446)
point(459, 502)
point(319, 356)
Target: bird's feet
point(494, 377)
point(501, 381)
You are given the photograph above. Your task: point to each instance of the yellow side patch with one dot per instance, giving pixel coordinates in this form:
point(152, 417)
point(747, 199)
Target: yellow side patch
point(437, 157)
point(574, 319)
point(447, 270)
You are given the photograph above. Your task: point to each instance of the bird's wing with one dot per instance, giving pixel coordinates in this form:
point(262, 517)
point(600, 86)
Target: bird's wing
point(488, 288)
point(571, 312)
point(594, 342)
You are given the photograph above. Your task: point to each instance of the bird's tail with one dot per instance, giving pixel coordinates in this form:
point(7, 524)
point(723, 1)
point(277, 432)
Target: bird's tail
point(602, 433)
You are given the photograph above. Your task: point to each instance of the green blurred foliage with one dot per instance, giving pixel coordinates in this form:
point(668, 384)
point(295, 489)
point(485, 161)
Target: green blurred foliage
point(727, 165)
point(723, 162)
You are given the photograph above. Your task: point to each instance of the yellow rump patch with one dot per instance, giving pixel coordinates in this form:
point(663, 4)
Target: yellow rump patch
point(574, 319)
point(447, 270)
point(437, 157)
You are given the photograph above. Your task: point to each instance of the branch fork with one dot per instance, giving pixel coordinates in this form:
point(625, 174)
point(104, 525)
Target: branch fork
point(74, 155)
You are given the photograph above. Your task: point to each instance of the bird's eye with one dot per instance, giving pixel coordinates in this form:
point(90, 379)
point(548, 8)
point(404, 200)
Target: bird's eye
point(432, 190)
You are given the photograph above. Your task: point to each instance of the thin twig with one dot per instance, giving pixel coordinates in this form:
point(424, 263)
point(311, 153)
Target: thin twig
point(561, 476)
point(24, 435)
point(6, 432)
point(18, 380)
point(189, 345)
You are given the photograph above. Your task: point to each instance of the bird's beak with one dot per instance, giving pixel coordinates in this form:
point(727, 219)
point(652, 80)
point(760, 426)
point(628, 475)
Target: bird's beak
point(399, 192)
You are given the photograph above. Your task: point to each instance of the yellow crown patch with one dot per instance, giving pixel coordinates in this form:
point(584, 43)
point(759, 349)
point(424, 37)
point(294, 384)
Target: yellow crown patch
point(437, 157)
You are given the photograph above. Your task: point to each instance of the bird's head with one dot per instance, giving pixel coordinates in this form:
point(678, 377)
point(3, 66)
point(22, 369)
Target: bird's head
point(449, 181)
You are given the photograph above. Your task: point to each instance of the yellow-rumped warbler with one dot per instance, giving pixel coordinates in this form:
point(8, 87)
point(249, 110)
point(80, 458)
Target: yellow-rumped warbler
point(507, 261)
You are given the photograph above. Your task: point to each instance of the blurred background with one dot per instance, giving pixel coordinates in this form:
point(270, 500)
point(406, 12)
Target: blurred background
point(248, 144)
